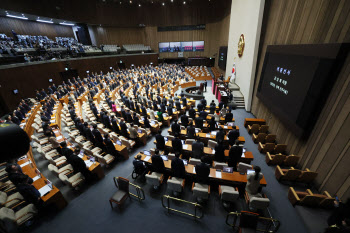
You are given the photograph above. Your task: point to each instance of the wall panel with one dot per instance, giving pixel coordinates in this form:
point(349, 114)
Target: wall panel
point(327, 149)
point(23, 27)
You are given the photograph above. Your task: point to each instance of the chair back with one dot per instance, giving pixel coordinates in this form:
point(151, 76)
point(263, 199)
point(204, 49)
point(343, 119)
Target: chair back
point(264, 129)
point(194, 161)
point(261, 137)
point(254, 128)
point(259, 203)
point(269, 147)
point(292, 174)
point(313, 200)
point(278, 159)
point(270, 138)
point(307, 176)
point(212, 144)
point(291, 160)
point(280, 148)
point(243, 167)
point(123, 184)
point(218, 165)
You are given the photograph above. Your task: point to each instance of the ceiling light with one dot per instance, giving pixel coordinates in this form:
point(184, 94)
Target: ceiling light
point(163, 3)
point(44, 21)
point(67, 24)
point(171, 0)
point(184, 2)
point(139, 5)
point(17, 17)
point(130, 2)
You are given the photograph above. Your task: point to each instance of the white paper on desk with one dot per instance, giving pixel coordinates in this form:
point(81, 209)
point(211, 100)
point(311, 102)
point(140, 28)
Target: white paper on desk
point(80, 156)
point(208, 135)
point(218, 174)
point(213, 151)
point(243, 155)
point(214, 133)
point(52, 121)
point(194, 169)
point(35, 178)
point(88, 163)
point(225, 126)
point(44, 190)
point(55, 131)
point(25, 164)
point(147, 158)
point(184, 147)
point(59, 137)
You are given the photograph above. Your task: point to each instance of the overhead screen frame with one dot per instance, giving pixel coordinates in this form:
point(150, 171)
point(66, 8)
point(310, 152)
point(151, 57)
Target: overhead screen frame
point(332, 55)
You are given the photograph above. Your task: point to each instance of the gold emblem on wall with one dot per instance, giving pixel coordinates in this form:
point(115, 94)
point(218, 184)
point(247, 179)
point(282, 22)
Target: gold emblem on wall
point(241, 44)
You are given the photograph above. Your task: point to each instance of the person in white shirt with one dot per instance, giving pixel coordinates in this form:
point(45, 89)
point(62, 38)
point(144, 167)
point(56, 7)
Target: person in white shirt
point(253, 181)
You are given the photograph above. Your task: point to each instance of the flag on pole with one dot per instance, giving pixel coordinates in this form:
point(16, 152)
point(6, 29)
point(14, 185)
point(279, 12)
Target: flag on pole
point(233, 74)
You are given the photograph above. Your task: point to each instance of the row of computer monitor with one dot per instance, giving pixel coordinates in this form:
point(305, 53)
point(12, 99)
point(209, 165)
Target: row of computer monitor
point(185, 46)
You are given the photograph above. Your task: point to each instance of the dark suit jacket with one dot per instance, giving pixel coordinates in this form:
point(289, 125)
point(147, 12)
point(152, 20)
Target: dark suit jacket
point(115, 126)
point(177, 145)
point(123, 129)
point(202, 171)
point(175, 128)
point(160, 144)
point(232, 136)
point(219, 153)
point(197, 149)
point(178, 168)
point(157, 163)
point(234, 156)
point(98, 136)
point(199, 122)
point(228, 117)
point(184, 120)
point(191, 132)
point(220, 136)
point(192, 113)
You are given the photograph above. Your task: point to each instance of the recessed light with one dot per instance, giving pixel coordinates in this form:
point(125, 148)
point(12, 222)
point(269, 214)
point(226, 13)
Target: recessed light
point(163, 4)
point(130, 2)
point(184, 2)
point(139, 5)
point(171, 0)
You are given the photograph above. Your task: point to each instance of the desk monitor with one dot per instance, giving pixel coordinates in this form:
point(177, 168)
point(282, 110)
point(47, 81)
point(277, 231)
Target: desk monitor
point(250, 171)
point(227, 169)
point(139, 131)
point(119, 142)
point(146, 152)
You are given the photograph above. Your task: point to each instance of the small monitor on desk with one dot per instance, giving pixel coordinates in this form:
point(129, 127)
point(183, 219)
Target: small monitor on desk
point(119, 142)
point(139, 131)
point(153, 122)
point(227, 169)
point(249, 171)
point(146, 152)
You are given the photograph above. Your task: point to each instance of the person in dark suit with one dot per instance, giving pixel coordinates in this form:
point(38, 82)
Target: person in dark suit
point(184, 101)
point(197, 149)
point(16, 176)
point(144, 111)
point(160, 142)
point(204, 102)
point(203, 114)
point(88, 134)
point(98, 137)
point(205, 85)
point(191, 132)
point(43, 117)
point(221, 105)
point(162, 107)
point(219, 152)
point(200, 106)
point(175, 128)
point(79, 165)
point(178, 105)
point(115, 126)
point(177, 144)
point(19, 114)
point(123, 113)
point(67, 152)
point(94, 110)
point(136, 120)
point(233, 135)
point(170, 111)
point(212, 107)
point(192, 112)
point(109, 145)
point(146, 123)
point(202, 171)
point(178, 167)
point(30, 194)
point(123, 128)
point(15, 119)
point(184, 120)
point(157, 162)
point(106, 121)
point(139, 167)
point(228, 116)
point(220, 136)
point(128, 116)
point(199, 122)
point(235, 155)
point(212, 124)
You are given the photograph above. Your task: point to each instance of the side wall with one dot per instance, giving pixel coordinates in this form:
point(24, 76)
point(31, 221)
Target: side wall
point(246, 19)
point(327, 149)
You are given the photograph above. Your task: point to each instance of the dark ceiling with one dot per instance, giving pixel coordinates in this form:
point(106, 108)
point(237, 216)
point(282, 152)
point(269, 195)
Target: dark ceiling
point(125, 13)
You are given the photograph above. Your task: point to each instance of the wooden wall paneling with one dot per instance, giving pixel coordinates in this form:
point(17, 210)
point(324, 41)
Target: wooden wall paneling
point(326, 149)
point(23, 27)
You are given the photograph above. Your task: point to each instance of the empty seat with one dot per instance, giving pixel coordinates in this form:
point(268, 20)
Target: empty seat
point(13, 219)
point(287, 174)
point(263, 129)
point(307, 176)
point(268, 147)
point(306, 198)
point(257, 201)
point(259, 138)
point(155, 179)
point(253, 128)
point(280, 148)
point(274, 159)
point(194, 161)
point(212, 144)
point(201, 191)
point(270, 138)
point(72, 181)
point(12, 200)
point(175, 184)
point(291, 160)
point(122, 193)
point(228, 193)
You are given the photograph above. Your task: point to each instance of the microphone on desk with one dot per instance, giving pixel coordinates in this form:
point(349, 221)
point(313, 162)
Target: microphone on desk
point(14, 142)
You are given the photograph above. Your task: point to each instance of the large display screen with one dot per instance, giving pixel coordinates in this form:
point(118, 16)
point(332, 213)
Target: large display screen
point(164, 47)
point(198, 45)
point(296, 80)
point(184, 46)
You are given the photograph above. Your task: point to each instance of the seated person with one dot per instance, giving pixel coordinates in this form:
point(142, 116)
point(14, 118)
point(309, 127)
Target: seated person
point(157, 162)
point(16, 175)
point(139, 166)
point(202, 172)
point(178, 166)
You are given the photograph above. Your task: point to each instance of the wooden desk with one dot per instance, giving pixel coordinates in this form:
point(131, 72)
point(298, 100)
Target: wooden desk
point(122, 150)
point(234, 177)
point(250, 121)
point(248, 156)
point(188, 84)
